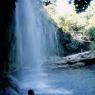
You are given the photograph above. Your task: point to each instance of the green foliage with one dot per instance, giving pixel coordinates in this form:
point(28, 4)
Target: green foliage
point(74, 23)
point(80, 26)
point(91, 33)
point(92, 47)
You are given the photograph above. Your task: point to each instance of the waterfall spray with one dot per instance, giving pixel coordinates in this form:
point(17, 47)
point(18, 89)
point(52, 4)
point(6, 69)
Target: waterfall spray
point(36, 37)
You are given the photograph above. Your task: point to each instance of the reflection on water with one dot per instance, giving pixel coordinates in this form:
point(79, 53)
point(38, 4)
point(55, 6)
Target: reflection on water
point(61, 82)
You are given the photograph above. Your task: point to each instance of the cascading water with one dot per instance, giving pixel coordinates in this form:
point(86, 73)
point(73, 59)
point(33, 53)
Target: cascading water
point(36, 40)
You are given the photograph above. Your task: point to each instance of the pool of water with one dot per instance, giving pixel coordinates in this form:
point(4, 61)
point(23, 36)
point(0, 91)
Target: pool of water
point(49, 81)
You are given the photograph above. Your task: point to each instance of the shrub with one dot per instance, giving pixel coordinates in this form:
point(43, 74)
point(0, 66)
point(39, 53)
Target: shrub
point(92, 47)
point(91, 33)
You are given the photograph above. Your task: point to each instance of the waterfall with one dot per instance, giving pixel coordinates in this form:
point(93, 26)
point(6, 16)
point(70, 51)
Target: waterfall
point(36, 36)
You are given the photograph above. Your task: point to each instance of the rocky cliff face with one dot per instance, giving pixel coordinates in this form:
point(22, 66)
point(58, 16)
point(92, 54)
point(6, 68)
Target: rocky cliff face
point(6, 12)
point(68, 45)
point(7, 8)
